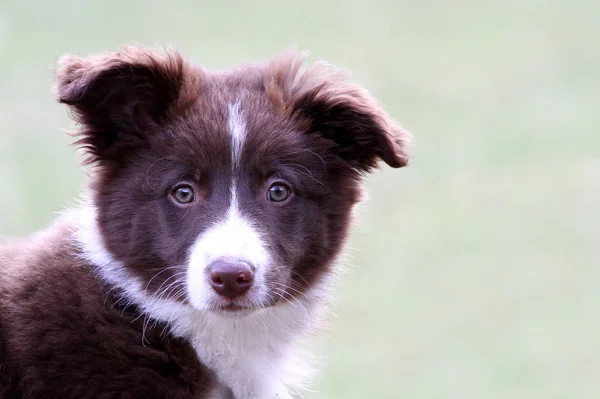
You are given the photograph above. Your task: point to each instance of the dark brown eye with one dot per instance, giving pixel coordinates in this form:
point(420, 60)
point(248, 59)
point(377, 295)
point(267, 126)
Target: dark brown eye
point(183, 194)
point(278, 192)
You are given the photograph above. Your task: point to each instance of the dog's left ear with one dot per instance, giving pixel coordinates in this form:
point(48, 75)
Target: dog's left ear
point(341, 111)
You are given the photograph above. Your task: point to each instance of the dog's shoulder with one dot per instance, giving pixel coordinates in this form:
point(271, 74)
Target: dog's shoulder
point(64, 333)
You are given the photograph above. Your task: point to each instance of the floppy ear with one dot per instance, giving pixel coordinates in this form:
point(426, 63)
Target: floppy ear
point(343, 112)
point(119, 98)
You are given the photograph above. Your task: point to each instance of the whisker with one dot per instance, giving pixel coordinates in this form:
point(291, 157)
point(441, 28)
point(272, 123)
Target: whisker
point(173, 285)
point(175, 275)
point(287, 287)
point(148, 173)
point(315, 154)
point(297, 274)
point(166, 268)
point(153, 277)
point(307, 173)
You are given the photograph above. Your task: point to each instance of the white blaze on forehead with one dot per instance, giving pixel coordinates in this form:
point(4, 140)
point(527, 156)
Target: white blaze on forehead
point(237, 130)
point(232, 239)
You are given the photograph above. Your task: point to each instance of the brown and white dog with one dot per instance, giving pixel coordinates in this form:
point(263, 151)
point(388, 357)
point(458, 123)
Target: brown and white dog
point(218, 205)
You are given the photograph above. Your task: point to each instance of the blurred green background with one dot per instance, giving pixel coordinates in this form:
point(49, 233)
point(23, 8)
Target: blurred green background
point(475, 270)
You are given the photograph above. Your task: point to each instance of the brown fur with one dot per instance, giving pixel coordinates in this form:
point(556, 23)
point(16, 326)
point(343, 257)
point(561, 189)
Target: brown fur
point(64, 334)
point(148, 121)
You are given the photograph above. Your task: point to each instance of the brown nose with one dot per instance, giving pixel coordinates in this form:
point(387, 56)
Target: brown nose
point(231, 279)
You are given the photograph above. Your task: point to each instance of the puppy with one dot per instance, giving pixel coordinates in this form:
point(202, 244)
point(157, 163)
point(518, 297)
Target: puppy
point(217, 207)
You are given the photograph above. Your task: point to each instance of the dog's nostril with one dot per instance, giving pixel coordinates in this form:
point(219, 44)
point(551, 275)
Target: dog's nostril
point(231, 279)
point(216, 279)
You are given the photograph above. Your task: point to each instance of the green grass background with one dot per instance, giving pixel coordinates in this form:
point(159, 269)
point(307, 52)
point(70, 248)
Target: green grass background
point(476, 270)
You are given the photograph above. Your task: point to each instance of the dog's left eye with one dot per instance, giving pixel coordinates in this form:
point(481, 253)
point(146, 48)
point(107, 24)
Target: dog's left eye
point(183, 194)
point(278, 192)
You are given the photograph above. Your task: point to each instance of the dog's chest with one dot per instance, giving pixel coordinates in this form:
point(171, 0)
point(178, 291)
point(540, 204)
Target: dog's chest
point(242, 384)
point(224, 392)
point(249, 359)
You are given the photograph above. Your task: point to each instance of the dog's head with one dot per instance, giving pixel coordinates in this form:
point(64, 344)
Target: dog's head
point(224, 190)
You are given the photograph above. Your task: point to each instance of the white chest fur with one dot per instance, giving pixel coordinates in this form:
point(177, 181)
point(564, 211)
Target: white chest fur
point(255, 356)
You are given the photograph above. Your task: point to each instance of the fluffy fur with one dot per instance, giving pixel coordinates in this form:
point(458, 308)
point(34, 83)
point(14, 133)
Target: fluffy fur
point(259, 167)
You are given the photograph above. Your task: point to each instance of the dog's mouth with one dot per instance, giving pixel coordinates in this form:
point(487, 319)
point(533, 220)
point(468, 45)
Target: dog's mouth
point(234, 309)
point(239, 306)
point(253, 301)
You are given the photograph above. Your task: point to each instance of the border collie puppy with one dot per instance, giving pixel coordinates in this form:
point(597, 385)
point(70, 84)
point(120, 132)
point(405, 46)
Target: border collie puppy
point(217, 207)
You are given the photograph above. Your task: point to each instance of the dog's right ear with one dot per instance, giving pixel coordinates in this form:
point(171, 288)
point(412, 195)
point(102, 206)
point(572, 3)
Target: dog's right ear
point(119, 98)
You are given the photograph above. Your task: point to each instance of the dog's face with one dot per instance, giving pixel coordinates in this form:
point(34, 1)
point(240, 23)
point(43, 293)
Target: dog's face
point(227, 191)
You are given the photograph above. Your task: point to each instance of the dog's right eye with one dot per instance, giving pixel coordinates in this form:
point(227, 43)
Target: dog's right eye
point(183, 194)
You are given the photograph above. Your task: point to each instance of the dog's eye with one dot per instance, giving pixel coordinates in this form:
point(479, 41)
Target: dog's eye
point(183, 194)
point(278, 192)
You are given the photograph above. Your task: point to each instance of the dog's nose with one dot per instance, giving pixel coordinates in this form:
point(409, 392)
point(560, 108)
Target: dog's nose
point(231, 279)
